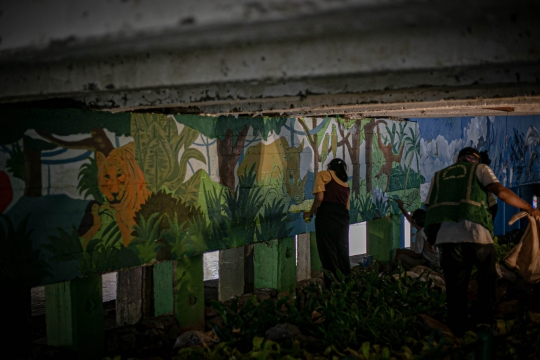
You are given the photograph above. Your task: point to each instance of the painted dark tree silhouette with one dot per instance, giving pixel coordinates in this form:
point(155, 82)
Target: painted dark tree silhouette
point(368, 131)
point(231, 134)
point(52, 123)
point(351, 141)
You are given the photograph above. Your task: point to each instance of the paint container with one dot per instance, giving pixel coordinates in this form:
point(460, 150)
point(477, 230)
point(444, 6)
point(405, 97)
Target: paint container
point(367, 260)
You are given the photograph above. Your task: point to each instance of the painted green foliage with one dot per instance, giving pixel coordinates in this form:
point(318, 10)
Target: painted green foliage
point(157, 148)
point(393, 147)
point(20, 264)
point(149, 187)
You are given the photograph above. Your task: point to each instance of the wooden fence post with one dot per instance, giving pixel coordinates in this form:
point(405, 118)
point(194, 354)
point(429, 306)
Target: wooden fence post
point(275, 265)
point(383, 237)
point(231, 273)
point(303, 251)
point(189, 293)
point(74, 316)
point(316, 265)
point(163, 288)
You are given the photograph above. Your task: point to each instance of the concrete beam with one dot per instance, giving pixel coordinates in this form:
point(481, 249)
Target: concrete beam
point(249, 57)
point(63, 29)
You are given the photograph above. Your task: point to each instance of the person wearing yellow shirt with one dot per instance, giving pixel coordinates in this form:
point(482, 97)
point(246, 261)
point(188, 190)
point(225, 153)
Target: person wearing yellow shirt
point(331, 206)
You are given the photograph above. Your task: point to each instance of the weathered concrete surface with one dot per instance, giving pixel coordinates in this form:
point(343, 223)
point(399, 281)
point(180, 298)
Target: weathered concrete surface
point(247, 57)
point(231, 273)
point(303, 251)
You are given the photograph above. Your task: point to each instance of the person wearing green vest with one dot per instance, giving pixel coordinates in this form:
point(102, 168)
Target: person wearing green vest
point(459, 221)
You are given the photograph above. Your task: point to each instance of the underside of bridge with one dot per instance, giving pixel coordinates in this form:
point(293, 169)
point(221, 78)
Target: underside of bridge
point(286, 59)
point(274, 58)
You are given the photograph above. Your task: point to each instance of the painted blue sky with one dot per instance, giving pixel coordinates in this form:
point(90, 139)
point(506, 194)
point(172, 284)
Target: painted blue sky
point(512, 142)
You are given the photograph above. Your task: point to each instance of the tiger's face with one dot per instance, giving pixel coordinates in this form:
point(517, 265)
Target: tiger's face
point(120, 179)
point(113, 182)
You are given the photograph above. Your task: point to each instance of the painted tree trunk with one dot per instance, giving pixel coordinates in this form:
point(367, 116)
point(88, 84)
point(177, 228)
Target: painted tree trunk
point(355, 157)
point(368, 131)
point(228, 155)
point(315, 146)
point(32, 170)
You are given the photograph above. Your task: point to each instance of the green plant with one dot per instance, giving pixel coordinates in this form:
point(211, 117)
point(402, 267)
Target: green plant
point(394, 134)
point(380, 203)
point(364, 316)
point(218, 216)
point(364, 307)
point(243, 208)
point(198, 234)
point(398, 177)
point(158, 145)
point(65, 246)
point(501, 250)
point(88, 181)
point(15, 163)
point(273, 222)
point(101, 255)
point(175, 236)
point(361, 208)
point(20, 264)
point(145, 243)
point(413, 149)
point(187, 238)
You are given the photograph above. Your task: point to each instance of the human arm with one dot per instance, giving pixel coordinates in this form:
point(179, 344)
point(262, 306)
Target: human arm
point(408, 252)
point(319, 196)
point(509, 197)
point(416, 249)
point(405, 212)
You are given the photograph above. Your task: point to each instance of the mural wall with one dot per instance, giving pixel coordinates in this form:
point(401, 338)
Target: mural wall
point(512, 142)
point(90, 192)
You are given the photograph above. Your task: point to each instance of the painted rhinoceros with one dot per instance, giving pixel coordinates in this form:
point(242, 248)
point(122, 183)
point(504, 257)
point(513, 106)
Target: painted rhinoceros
point(276, 163)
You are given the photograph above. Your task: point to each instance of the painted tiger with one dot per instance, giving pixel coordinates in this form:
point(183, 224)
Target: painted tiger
point(122, 182)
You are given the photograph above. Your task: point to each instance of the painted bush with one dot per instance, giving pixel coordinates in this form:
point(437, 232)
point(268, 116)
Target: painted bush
point(93, 192)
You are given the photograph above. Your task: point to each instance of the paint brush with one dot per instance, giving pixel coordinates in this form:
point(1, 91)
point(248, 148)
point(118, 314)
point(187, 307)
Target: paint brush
point(404, 203)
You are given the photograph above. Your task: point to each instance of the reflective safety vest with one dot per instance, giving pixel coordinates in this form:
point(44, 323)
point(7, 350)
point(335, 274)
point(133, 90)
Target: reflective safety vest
point(456, 195)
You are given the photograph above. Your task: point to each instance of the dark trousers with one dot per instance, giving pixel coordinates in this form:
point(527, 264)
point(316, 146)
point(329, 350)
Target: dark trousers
point(457, 260)
point(332, 233)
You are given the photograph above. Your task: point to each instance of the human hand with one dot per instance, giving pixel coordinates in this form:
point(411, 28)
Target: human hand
point(535, 213)
point(400, 204)
point(307, 214)
point(429, 247)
